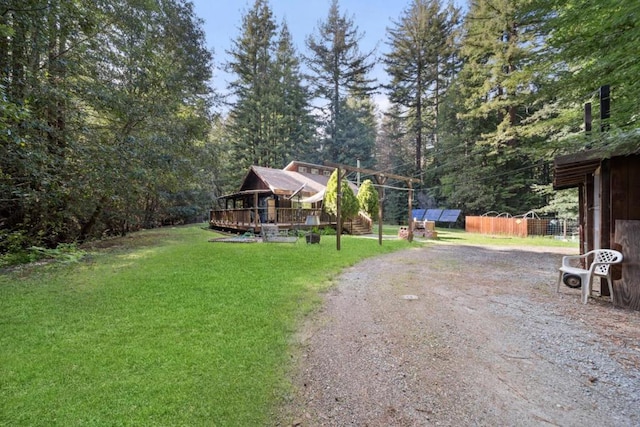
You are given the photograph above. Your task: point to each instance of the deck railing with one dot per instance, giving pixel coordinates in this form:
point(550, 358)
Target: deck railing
point(246, 217)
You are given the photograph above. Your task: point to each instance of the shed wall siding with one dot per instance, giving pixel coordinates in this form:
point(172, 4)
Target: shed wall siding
point(625, 189)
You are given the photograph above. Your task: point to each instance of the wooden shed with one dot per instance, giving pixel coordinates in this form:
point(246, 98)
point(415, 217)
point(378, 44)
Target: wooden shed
point(608, 180)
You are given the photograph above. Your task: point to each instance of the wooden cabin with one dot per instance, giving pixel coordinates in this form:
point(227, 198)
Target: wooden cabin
point(290, 197)
point(609, 196)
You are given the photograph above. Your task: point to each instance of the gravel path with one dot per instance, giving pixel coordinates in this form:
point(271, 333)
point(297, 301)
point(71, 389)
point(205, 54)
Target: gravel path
point(465, 335)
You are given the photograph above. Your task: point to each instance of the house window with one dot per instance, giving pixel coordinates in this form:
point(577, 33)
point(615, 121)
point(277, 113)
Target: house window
point(314, 171)
point(302, 169)
point(326, 173)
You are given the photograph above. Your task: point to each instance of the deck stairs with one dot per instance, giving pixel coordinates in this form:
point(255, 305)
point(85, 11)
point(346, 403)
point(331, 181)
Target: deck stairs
point(359, 225)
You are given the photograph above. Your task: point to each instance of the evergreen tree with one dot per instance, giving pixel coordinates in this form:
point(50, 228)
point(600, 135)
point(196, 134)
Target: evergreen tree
point(294, 124)
point(270, 120)
point(253, 65)
point(594, 43)
point(349, 205)
point(421, 63)
point(498, 160)
point(562, 204)
point(394, 148)
point(113, 108)
point(149, 92)
point(368, 198)
point(356, 128)
point(339, 72)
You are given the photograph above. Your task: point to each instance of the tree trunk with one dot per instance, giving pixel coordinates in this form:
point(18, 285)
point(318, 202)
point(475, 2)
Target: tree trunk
point(88, 226)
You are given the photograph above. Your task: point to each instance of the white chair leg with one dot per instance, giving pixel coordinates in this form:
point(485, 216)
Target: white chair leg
point(609, 282)
point(586, 288)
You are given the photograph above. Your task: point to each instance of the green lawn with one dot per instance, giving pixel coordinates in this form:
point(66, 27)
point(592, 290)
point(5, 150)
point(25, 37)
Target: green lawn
point(165, 328)
point(161, 328)
point(460, 236)
point(452, 235)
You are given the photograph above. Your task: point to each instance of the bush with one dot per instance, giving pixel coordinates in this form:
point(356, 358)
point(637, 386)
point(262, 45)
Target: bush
point(329, 231)
point(368, 199)
point(65, 252)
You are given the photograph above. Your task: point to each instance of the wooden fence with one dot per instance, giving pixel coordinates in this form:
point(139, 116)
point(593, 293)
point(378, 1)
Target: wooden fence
point(521, 227)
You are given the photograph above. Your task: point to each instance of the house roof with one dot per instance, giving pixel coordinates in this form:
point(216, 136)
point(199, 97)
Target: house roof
point(287, 182)
point(570, 170)
point(283, 182)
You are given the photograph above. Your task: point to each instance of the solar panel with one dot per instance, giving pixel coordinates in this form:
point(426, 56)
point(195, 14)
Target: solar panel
point(433, 214)
point(418, 214)
point(449, 215)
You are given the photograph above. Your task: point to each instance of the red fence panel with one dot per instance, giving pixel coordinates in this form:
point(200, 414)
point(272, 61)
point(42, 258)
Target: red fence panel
point(521, 227)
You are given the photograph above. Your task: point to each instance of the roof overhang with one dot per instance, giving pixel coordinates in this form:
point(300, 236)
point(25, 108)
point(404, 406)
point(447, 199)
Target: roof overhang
point(571, 170)
point(244, 193)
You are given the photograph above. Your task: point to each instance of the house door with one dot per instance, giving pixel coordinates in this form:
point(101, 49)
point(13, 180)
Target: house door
point(271, 210)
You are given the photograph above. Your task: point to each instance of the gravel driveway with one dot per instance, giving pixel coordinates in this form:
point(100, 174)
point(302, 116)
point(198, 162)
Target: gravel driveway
point(464, 335)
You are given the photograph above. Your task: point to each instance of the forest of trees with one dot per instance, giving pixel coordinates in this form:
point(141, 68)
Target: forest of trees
point(109, 122)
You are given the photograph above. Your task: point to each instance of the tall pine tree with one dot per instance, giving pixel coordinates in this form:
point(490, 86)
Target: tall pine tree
point(293, 121)
point(269, 119)
point(421, 63)
point(497, 94)
point(339, 72)
point(253, 66)
point(597, 41)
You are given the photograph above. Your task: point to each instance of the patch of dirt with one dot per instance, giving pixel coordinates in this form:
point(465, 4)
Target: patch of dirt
point(465, 335)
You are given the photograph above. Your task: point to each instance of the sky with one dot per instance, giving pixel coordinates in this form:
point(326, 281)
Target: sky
point(223, 18)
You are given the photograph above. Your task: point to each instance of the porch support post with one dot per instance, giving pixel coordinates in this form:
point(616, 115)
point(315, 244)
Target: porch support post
point(255, 211)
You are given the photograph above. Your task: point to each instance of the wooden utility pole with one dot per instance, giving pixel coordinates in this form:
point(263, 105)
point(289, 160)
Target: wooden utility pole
point(410, 230)
point(381, 178)
point(339, 209)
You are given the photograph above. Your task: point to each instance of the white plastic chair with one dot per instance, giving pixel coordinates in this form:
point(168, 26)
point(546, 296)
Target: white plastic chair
point(600, 266)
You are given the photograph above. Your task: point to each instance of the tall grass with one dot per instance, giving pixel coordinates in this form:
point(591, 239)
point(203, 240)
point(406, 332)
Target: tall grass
point(162, 328)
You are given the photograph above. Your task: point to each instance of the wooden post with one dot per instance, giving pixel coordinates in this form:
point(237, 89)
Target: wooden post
point(338, 209)
point(255, 211)
point(605, 107)
point(626, 292)
point(410, 234)
point(380, 180)
point(587, 117)
point(381, 177)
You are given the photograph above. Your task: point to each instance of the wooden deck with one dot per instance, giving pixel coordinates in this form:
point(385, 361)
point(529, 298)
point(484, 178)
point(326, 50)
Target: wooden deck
point(241, 220)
